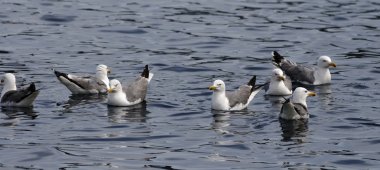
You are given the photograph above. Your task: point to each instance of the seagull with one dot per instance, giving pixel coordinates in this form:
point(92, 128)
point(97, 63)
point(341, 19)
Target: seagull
point(279, 85)
point(306, 75)
point(10, 96)
point(86, 85)
point(295, 108)
point(236, 100)
point(132, 94)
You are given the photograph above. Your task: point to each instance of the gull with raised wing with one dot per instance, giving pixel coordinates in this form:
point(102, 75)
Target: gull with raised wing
point(131, 94)
point(234, 100)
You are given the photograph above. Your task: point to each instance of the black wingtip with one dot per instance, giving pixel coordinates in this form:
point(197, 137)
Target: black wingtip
point(59, 74)
point(32, 87)
point(287, 100)
point(259, 86)
point(66, 76)
point(252, 82)
point(145, 73)
point(277, 57)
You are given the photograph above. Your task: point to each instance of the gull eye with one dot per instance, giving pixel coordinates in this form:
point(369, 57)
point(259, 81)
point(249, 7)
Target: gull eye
point(2, 80)
point(219, 84)
point(305, 91)
point(324, 60)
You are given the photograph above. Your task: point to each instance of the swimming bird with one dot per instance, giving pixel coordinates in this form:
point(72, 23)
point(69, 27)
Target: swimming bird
point(279, 85)
point(234, 100)
point(305, 75)
point(295, 107)
point(86, 85)
point(132, 94)
point(10, 96)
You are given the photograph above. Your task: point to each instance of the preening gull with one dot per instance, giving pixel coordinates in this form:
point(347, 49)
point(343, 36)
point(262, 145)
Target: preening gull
point(236, 100)
point(280, 84)
point(296, 107)
point(306, 75)
point(10, 96)
point(132, 94)
point(86, 85)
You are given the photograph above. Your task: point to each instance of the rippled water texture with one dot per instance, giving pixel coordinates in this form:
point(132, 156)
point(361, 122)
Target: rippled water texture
point(188, 44)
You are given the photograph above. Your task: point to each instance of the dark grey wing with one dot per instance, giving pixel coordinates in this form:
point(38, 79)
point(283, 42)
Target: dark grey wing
point(136, 90)
point(297, 72)
point(81, 81)
point(16, 96)
point(288, 82)
point(86, 83)
point(89, 83)
point(286, 103)
point(301, 109)
point(241, 95)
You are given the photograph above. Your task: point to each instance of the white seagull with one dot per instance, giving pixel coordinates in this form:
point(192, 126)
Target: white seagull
point(236, 100)
point(295, 107)
point(279, 85)
point(132, 94)
point(306, 75)
point(10, 96)
point(86, 85)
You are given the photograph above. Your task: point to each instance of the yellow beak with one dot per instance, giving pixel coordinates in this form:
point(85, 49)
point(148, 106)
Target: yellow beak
point(311, 94)
point(212, 88)
point(332, 64)
point(281, 78)
point(110, 90)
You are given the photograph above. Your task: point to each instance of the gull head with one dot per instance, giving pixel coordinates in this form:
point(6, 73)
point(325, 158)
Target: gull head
point(103, 69)
point(8, 78)
point(115, 86)
point(218, 86)
point(278, 75)
point(325, 62)
point(300, 94)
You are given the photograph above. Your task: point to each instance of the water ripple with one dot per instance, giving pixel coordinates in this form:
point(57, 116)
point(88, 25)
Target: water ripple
point(122, 138)
point(58, 18)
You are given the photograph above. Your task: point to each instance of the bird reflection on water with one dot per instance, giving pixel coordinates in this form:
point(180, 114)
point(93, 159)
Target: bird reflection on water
point(77, 100)
point(294, 129)
point(221, 121)
point(136, 113)
point(16, 112)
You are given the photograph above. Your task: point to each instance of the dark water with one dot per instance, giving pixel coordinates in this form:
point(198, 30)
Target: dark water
point(188, 44)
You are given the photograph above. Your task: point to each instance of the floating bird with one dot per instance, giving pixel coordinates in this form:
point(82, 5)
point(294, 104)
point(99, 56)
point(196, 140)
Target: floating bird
point(86, 85)
point(295, 107)
point(279, 85)
point(132, 94)
point(305, 75)
point(236, 100)
point(10, 96)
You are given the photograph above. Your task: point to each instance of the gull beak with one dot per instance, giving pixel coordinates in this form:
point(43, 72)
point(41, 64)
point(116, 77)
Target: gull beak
point(212, 88)
point(311, 94)
point(110, 90)
point(281, 78)
point(332, 64)
point(108, 70)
